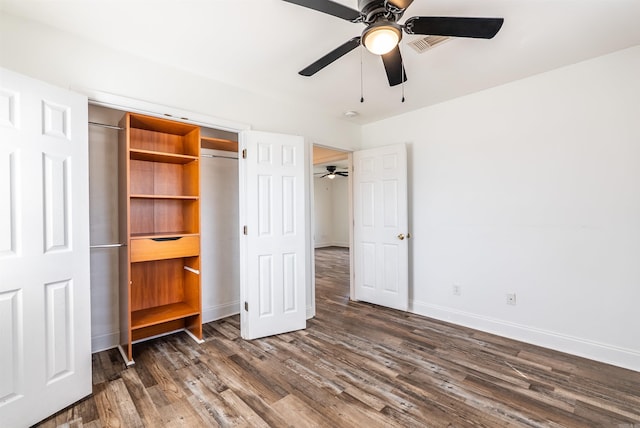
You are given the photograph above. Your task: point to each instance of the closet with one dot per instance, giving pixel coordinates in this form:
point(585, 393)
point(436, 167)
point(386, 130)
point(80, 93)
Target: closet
point(159, 221)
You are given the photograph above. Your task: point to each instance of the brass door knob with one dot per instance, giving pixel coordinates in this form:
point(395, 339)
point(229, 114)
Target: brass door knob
point(401, 237)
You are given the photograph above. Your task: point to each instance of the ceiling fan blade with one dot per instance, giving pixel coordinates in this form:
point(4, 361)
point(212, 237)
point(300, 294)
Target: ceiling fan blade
point(394, 67)
point(401, 4)
point(330, 57)
point(329, 7)
point(342, 173)
point(479, 28)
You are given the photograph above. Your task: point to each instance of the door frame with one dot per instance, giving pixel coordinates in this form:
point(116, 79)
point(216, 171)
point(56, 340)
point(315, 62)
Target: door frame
point(352, 282)
point(118, 102)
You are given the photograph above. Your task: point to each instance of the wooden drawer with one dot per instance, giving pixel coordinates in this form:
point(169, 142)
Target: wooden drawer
point(143, 250)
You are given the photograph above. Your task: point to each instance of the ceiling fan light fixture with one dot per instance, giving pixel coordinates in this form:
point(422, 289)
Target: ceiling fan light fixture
point(331, 176)
point(381, 37)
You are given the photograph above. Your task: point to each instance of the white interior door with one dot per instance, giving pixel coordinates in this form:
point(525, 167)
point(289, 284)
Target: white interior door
point(45, 343)
point(380, 231)
point(274, 260)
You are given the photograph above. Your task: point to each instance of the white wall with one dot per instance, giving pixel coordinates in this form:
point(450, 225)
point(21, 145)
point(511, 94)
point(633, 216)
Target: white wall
point(340, 235)
point(103, 221)
point(331, 212)
point(323, 212)
point(531, 188)
point(219, 236)
point(64, 60)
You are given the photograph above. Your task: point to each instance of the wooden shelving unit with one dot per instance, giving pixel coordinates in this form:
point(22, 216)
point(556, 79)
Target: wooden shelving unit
point(160, 221)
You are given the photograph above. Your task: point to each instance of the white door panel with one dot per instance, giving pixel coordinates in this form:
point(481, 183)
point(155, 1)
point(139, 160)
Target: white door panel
point(274, 251)
point(45, 363)
point(381, 226)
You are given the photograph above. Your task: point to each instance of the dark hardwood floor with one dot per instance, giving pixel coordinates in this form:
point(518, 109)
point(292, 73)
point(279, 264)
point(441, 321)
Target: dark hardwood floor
point(356, 365)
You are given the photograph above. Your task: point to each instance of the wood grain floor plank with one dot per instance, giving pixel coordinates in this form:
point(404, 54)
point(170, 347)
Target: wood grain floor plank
point(182, 414)
point(144, 403)
point(249, 416)
point(165, 383)
point(209, 405)
point(115, 406)
point(291, 408)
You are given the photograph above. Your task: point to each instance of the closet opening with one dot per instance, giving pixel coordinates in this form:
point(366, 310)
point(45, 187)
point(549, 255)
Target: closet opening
point(219, 218)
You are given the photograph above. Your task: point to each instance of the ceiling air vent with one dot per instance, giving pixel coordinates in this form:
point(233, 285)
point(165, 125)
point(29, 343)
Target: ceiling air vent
point(427, 42)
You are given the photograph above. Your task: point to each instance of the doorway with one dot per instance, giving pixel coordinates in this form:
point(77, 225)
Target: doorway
point(332, 209)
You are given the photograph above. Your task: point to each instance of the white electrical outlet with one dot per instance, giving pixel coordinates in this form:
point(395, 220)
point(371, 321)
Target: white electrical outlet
point(456, 289)
point(511, 299)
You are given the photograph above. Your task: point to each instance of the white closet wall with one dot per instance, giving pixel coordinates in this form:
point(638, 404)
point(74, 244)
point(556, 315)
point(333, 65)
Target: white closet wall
point(103, 222)
point(219, 239)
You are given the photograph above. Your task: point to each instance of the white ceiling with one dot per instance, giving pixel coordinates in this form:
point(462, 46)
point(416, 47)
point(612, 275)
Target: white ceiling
point(260, 45)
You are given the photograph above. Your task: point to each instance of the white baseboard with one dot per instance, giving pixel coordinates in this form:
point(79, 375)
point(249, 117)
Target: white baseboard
point(332, 244)
point(586, 348)
point(310, 312)
point(105, 341)
point(214, 313)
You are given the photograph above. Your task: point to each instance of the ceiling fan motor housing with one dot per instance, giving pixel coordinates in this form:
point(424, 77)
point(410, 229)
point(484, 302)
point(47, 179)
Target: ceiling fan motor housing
point(376, 10)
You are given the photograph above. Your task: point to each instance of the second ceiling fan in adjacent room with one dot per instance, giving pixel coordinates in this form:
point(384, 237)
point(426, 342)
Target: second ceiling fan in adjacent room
point(332, 172)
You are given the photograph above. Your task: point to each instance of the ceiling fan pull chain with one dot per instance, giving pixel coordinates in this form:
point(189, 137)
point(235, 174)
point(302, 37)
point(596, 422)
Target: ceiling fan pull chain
point(403, 79)
point(361, 78)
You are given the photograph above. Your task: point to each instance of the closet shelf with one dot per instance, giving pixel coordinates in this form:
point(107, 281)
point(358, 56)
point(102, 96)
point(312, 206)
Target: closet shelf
point(161, 314)
point(153, 156)
point(219, 144)
point(174, 234)
point(178, 197)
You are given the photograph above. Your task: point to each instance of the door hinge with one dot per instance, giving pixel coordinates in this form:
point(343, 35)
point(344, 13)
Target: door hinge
point(246, 306)
point(244, 153)
point(245, 230)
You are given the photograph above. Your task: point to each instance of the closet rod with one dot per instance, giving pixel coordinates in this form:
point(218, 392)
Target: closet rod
point(204, 155)
point(107, 245)
point(103, 125)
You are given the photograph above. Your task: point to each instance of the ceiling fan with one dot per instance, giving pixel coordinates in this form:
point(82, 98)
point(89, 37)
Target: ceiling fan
point(383, 32)
point(332, 172)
